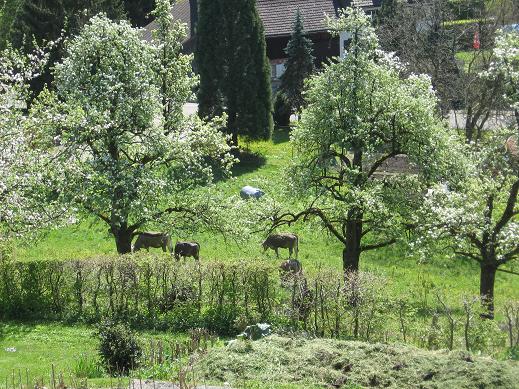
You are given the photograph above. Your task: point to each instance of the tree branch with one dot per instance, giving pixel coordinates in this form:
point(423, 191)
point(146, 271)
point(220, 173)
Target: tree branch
point(377, 164)
point(157, 215)
point(282, 220)
point(468, 255)
point(377, 245)
point(508, 213)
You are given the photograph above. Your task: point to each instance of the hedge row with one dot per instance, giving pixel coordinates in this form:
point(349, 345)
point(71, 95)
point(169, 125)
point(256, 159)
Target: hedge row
point(158, 292)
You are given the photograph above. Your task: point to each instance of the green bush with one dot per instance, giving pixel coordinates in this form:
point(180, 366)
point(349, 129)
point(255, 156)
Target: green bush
point(282, 110)
point(88, 367)
point(118, 348)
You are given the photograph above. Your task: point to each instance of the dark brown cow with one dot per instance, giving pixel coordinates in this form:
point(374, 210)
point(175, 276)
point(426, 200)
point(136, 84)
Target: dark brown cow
point(187, 249)
point(284, 241)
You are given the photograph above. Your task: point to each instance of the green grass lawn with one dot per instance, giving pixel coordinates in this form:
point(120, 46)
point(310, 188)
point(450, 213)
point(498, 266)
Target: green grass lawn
point(32, 350)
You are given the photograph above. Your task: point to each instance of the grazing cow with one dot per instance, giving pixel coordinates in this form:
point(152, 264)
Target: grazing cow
point(291, 266)
point(187, 249)
point(248, 192)
point(145, 240)
point(284, 241)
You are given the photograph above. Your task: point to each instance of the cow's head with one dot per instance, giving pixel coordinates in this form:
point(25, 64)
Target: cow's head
point(265, 246)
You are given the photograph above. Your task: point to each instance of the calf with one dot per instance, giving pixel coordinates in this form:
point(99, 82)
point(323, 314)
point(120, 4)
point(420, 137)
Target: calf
point(282, 240)
point(291, 266)
point(187, 249)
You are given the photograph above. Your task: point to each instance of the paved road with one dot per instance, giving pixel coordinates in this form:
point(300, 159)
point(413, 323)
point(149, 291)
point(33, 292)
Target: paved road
point(150, 384)
point(497, 120)
point(456, 118)
point(190, 108)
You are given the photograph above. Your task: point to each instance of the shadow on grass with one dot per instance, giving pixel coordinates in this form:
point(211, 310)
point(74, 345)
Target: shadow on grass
point(281, 135)
point(15, 329)
point(249, 162)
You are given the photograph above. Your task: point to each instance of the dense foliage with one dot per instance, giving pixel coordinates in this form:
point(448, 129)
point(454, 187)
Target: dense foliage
point(128, 153)
point(156, 293)
point(118, 347)
point(479, 215)
point(362, 112)
point(36, 22)
point(209, 58)
point(234, 68)
point(27, 201)
point(504, 68)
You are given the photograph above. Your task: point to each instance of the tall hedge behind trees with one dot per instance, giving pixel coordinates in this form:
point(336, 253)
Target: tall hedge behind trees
point(235, 66)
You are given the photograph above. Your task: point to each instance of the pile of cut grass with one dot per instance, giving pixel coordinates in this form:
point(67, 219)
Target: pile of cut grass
point(349, 364)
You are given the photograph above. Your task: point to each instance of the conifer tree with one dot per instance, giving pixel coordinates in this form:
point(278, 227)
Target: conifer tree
point(299, 65)
point(42, 21)
point(138, 11)
point(209, 59)
point(241, 71)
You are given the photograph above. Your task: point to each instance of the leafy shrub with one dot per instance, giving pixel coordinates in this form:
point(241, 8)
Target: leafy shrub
point(513, 353)
point(88, 367)
point(183, 317)
point(282, 110)
point(118, 348)
point(221, 320)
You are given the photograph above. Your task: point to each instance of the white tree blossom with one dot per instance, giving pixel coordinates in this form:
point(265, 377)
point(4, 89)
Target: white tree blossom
point(126, 152)
point(505, 67)
point(478, 217)
point(26, 202)
point(362, 112)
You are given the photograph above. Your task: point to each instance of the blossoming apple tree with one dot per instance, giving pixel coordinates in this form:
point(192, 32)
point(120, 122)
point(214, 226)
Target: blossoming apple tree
point(26, 202)
point(127, 153)
point(478, 219)
point(361, 111)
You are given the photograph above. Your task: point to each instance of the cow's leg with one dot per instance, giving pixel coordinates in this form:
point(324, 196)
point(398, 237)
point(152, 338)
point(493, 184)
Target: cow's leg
point(290, 252)
point(164, 248)
point(277, 252)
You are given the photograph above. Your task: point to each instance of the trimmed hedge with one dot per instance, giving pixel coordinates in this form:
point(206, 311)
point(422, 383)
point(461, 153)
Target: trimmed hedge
point(157, 292)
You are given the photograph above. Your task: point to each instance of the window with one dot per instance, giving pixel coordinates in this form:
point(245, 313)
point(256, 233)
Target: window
point(280, 69)
point(345, 42)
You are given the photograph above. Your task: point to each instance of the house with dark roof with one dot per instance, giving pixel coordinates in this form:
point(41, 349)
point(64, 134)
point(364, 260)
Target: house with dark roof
point(278, 17)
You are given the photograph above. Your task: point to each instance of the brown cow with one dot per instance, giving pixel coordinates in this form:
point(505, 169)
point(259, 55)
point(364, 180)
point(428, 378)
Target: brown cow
point(284, 241)
point(187, 249)
point(291, 266)
point(145, 240)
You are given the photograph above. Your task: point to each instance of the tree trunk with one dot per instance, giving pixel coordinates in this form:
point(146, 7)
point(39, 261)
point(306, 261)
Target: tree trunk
point(351, 252)
point(232, 127)
point(123, 241)
point(486, 288)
